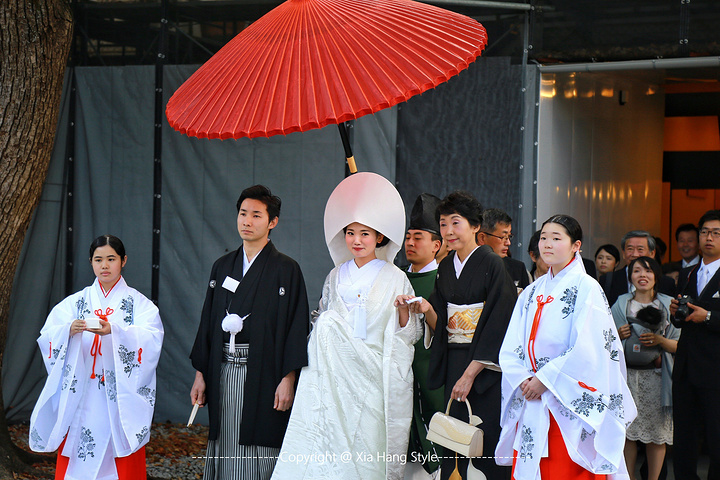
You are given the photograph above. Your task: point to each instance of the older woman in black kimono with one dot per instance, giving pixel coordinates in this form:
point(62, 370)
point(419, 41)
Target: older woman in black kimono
point(469, 312)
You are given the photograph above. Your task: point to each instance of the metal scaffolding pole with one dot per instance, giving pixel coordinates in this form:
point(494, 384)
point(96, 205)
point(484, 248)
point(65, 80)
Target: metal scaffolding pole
point(655, 64)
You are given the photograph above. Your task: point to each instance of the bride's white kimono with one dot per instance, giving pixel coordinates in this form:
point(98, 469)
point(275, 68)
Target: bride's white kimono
point(353, 406)
point(579, 358)
point(100, 390)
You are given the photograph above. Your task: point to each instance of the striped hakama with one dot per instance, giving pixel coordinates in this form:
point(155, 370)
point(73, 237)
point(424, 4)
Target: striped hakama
point(226, 459)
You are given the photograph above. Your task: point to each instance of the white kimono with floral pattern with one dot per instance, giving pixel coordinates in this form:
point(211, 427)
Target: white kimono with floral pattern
point(580, 360)
point(109, 415)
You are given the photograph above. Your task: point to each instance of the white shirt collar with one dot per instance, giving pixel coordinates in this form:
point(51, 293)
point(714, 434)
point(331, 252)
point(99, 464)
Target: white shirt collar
point(427, 268)
point(711, 269)
point(692, 262)
point(460, 265)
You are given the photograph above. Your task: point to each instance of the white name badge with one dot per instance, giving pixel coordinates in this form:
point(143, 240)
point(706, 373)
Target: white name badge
point(230, 284)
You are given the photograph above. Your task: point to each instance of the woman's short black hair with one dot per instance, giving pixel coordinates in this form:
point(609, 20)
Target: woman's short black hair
point(263, 194)
point(609, 248)
point(650, 263)
point(111, 240)
point(464, 204)
point(572, 226)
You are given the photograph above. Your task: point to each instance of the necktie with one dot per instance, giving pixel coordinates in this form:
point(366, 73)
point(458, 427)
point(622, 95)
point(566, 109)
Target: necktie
point(702, 279)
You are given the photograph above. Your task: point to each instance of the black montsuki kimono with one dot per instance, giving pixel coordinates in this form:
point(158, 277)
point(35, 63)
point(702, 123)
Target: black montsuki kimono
point(483, 279)
point(273, 291)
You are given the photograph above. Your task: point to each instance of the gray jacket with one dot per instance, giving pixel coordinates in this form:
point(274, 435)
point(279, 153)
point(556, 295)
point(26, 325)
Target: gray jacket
point(618, 312)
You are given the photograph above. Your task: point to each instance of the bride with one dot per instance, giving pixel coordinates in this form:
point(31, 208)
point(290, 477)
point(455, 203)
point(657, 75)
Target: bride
point(353, 406)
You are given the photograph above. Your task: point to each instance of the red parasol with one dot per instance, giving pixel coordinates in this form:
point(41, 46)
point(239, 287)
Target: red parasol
point(310, 63)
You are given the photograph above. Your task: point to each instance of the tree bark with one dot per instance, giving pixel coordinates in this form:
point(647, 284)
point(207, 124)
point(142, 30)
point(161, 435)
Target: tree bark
point(35, 37)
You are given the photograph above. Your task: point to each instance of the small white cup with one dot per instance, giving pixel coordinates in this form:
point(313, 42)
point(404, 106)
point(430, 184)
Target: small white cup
point(92, 322)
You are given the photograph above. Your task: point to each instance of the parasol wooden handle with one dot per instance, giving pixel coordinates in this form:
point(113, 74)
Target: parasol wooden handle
point(351, 164)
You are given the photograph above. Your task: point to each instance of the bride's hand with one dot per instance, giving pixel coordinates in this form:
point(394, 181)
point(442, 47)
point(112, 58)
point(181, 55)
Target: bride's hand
point(400, 301)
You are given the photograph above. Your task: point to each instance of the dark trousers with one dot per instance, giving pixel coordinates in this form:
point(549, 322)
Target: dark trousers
point(695, 408)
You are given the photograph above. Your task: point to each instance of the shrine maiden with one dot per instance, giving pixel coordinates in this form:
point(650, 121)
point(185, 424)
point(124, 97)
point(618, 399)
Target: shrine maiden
point(565, 401)
point(98, 400)
point(353, 406)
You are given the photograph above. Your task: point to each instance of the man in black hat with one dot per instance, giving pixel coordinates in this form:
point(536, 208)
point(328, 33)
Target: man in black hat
point(422, 243)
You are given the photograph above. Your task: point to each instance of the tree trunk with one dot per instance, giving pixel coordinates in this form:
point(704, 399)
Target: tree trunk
point(35, 38)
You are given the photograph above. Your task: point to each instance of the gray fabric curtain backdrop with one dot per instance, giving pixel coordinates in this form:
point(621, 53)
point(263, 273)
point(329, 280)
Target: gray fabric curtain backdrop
point(201, 182)
point(466, 134)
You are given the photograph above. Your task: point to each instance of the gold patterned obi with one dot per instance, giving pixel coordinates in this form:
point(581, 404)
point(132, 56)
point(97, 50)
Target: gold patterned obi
point(462, 322)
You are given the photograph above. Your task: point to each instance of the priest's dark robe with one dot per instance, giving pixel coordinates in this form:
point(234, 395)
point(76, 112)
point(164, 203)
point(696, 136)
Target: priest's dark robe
point(483, 279)
point(273, 293)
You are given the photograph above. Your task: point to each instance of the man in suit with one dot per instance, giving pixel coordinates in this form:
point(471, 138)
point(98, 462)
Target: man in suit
point(696, 375)
point(686, 237)
point(496, 232)
point(634, 244)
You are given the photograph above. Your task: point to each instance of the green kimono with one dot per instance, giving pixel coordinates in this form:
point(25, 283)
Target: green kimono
point(425, 401)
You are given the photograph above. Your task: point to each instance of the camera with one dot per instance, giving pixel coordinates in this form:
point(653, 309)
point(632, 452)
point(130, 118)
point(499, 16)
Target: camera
point(683, 310)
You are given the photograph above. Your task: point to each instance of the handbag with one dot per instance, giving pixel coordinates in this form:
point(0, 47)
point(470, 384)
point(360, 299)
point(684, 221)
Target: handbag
point(456, 435)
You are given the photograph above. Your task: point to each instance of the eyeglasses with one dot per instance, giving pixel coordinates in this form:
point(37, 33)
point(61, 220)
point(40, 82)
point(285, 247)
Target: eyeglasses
point(715, 233)
point(510, 237)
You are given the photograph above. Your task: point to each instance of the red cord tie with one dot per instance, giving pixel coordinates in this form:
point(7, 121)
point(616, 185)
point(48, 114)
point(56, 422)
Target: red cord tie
point(96, 348)
point(587, 387)
point(140, 355)
point(103, 316)
point(535, 325)
point(50, 354)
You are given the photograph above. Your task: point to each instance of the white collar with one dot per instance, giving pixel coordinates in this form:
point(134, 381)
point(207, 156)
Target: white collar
point(427, 268)
point(711, 268)
point(247, 263)
point(577, 260)
point(692, 262)
point(460, 265)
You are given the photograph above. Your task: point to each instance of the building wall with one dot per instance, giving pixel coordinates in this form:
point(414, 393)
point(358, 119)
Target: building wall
point(600, 152)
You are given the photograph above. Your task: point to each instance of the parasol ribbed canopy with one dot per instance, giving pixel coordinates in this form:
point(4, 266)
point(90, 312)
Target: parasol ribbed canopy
point(310, 63)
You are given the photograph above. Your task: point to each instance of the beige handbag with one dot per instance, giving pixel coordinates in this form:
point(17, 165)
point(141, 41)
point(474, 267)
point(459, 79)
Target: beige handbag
point(456, 435)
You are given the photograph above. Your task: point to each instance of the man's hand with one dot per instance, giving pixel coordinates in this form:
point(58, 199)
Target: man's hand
point(285, 393)
point(697, 315)
point(673, 306)
point(197, 393)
